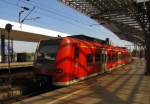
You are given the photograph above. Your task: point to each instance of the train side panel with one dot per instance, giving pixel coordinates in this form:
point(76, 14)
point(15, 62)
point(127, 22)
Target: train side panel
point(63, 63)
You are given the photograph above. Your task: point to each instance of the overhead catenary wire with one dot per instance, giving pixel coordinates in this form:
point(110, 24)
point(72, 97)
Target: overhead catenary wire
point(63, 19)
point(68, 22)
point(67, 17)
point(55, 13)
point(46, 10)
point(60, 15)
point(52, 10)
point(42, 14)
point(27, 15)
point(5, 1)
point(20, 6)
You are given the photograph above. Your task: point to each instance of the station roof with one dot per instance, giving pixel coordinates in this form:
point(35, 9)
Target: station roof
point(120, 16)
point(28, 33)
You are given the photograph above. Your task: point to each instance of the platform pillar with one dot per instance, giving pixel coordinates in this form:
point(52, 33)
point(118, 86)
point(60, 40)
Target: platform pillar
point(2, 47)
point(144, 19)
point(147, 49)
point(147, 43)
point(147, 54)
point(12, 50)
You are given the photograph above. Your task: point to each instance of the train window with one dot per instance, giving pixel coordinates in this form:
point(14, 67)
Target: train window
point(127, 57)
point(103, 58)
point(113, 57)
point(97, 58)
point(76, 52)
point(89, 58)
point(47, 52)
point(119, 57)
point(116, 57)
point(109, 58)
point(123, 57)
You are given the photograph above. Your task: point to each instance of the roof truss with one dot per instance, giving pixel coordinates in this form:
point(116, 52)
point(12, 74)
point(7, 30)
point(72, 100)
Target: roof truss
point(123, 17)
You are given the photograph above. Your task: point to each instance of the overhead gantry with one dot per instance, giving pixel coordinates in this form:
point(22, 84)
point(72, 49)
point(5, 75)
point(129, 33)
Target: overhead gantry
point(128, 19)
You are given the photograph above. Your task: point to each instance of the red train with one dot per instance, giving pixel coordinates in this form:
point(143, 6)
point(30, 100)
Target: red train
point(66, 60)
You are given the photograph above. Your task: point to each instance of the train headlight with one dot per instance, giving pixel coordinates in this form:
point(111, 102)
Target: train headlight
point(59, 70)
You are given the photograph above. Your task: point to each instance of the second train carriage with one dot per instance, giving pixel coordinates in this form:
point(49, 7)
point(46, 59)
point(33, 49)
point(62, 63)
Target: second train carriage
point(66, 60)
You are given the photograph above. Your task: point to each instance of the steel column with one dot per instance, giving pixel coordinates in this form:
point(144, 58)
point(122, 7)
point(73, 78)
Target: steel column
point(147, 42)
point(2, 47)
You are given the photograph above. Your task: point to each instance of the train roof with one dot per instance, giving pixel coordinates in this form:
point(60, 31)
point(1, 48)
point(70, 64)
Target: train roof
point(87, 38)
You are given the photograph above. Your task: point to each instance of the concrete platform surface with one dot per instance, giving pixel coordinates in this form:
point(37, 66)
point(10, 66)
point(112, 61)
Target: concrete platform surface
point(127, 85)
point(16, 65)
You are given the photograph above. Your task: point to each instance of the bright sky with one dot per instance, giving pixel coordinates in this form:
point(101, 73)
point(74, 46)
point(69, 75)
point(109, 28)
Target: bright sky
point(55, 16)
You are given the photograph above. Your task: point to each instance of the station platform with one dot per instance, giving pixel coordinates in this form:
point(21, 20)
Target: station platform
point(125, 85)
point(16, 65)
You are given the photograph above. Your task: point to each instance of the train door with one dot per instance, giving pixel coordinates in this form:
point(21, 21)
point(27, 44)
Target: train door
point(119, 58)
point(89, 63)
point(75, 69)
point(114, 61)
point(103, 60)
point(97, 63)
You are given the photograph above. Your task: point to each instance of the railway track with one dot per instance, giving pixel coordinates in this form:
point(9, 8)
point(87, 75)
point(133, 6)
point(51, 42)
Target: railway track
point(12, 82)
point(24, 72)
point(28, 88)
point(18, 85)
point(15, 70)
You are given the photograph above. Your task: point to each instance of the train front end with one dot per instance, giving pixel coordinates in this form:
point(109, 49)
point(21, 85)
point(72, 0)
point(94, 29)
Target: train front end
point(44, 64)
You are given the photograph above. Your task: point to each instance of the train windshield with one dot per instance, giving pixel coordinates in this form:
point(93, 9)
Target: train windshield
point(47, 50)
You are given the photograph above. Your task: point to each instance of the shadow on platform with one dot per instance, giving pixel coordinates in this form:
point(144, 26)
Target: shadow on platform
point(127, 85)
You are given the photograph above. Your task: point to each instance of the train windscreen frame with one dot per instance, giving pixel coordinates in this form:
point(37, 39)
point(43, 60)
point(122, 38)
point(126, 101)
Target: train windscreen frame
point(47, 50)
